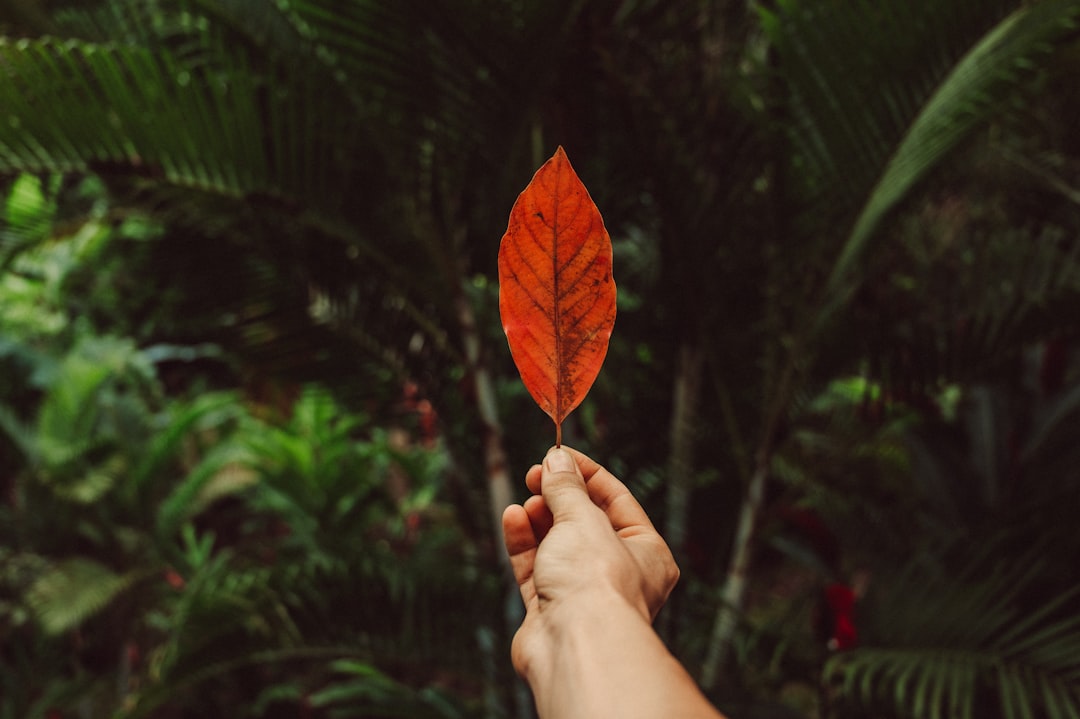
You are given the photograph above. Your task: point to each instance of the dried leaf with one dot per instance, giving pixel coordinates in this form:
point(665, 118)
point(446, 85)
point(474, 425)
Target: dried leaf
point(556, 293)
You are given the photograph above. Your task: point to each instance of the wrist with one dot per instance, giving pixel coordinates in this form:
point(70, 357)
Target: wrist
point(564, 632)
point(602, 658)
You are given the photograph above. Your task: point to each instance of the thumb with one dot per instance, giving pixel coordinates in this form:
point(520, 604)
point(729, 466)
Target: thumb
point(562, 485)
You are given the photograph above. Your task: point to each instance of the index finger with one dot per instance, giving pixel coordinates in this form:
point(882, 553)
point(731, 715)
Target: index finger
point(605, 490)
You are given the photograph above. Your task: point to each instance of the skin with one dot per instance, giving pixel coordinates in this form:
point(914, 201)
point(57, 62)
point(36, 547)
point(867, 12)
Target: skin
point(593, 573)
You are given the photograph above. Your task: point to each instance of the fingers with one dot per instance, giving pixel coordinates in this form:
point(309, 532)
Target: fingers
point(571, 486)
point(585, 463)
point(539, 516)
point(605, 490)
point(521, 543)
point(562, 485)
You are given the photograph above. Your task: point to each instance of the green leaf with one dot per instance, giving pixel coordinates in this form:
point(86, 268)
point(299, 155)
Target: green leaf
point(74, 106)
point(947, 635)
point(223, 469)
point(973, 90)
point(72, 591)
point(27, 205)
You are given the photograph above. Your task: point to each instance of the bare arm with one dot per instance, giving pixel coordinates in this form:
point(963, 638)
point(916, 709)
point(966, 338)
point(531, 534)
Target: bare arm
point(593, 572)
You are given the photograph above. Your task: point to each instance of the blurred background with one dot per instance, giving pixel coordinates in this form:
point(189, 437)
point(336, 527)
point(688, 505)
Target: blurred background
point(258, 416)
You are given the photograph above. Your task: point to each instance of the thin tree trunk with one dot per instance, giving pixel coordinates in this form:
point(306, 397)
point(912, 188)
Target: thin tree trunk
point(500, 494)
point(496, 469)
point(733, 593)
point(680, 473)
point(684, 415)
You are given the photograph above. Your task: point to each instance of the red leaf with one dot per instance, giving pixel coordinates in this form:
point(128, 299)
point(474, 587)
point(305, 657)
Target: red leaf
point(556, 293)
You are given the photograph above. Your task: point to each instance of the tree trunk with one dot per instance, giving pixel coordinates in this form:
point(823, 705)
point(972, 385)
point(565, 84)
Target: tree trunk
point(680, 472)
point(500, 494)
point(496, 469)
point(733, 593)
point(684, 433)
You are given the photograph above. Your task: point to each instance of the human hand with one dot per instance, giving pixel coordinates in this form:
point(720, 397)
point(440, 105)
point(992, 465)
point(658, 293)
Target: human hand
point(581, 539)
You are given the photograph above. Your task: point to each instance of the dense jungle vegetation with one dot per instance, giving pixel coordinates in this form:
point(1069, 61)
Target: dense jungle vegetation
point(258, 417)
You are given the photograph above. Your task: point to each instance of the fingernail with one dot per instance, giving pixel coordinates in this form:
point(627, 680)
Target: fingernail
point(559, 460)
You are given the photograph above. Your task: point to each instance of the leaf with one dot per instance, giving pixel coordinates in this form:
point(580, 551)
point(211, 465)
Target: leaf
point(972, 91)
point(72, 591)
point(556, 293)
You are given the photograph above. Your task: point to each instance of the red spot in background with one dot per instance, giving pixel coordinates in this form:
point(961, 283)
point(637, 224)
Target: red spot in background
point(840, 605)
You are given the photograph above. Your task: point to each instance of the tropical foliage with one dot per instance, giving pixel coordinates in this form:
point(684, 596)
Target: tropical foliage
point(256, 414)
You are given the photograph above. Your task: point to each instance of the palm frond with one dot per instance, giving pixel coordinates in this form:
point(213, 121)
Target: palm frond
point(870, 121)
point(362, 690)
point(120, 20)
point(207, 412)
point(225, 466)
point(78, 106)
point(1049, 440)
point(974, 88)
point(965, 309)
point(261, 25)
point(72, 591)
point(955, 645)
point(28, 212)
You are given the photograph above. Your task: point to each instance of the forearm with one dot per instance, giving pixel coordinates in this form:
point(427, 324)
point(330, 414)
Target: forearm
point(603, 659)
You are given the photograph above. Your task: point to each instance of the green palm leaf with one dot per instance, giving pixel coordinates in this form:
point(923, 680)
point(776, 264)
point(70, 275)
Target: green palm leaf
point(78, 106)
point(864, 133)
point(945, 644)
point(993, 293)
point(72, 591)
point(965, 97)
point(28, 213)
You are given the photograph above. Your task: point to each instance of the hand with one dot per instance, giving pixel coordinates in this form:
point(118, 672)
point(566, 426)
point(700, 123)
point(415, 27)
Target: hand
point(581, 538)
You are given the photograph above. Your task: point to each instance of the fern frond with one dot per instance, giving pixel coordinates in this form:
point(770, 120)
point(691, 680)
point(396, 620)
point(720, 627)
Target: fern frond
point(28, 212)
point(72, 591)
point(207, 411)
point(949, 645)
point(224, 466)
